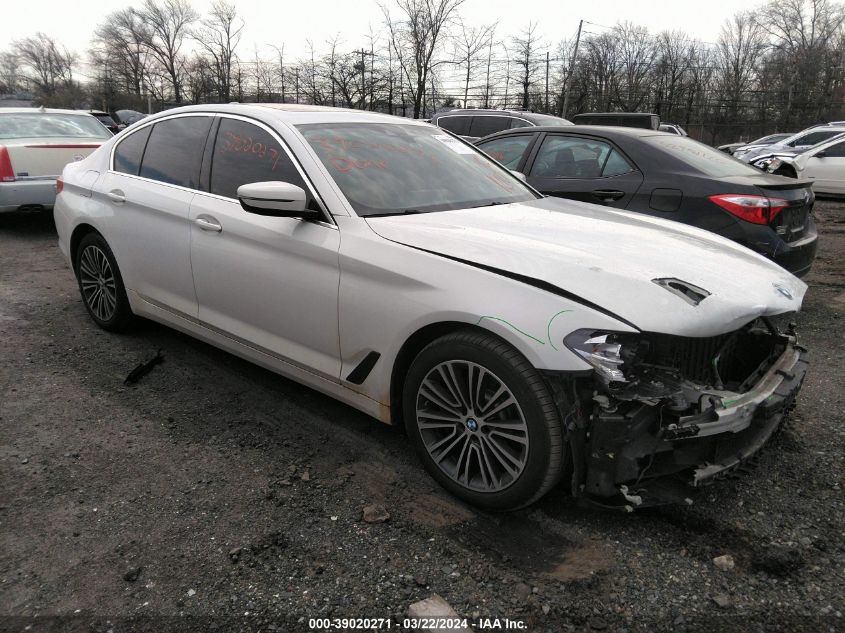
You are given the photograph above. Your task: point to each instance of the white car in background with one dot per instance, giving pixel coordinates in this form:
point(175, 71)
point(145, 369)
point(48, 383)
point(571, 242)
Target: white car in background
point(35, 145)
point(823, 165)
point(389, 264)
point(796, 143)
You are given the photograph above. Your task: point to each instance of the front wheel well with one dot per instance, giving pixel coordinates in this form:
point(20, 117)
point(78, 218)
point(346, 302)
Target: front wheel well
point(76, 237)
point(786, 170)
point(409, 351)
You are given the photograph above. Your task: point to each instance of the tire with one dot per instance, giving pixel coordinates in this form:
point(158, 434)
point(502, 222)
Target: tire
point(489, 452)
point(101, 285)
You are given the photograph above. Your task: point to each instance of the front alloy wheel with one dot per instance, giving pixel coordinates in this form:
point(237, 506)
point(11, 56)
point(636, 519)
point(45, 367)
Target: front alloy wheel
point(483, 421)
point(472, 426)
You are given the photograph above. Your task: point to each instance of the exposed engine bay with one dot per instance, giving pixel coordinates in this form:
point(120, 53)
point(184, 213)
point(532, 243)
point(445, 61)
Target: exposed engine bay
point(664, 414)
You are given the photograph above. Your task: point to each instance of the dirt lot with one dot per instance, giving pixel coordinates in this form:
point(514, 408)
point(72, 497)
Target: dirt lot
point(216, 495)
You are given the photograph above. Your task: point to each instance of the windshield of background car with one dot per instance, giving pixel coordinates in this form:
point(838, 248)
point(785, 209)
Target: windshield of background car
point(701, 157)
point(390, 168)
point(45, 125)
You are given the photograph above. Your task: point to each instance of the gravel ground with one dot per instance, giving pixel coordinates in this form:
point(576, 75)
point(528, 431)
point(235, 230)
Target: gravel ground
point(216, 495)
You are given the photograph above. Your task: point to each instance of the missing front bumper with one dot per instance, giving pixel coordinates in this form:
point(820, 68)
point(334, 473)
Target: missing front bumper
point(632, 457)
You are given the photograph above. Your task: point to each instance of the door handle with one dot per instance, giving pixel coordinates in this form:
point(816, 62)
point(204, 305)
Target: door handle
point(207, 223)
point(608, 195)
point(116, 196)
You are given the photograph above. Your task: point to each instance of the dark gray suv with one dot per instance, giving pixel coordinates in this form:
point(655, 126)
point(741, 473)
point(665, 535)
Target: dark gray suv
point(475, 124)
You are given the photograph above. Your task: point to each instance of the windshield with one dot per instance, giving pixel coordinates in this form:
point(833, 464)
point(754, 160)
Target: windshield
point(771, 138)
point(701, 157)
point(395, 168)
point(46, 125)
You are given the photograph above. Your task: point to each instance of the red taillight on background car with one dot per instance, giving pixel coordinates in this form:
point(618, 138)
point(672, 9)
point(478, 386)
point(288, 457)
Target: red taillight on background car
point(60, 184)
point(755, 209)
point(7, 174)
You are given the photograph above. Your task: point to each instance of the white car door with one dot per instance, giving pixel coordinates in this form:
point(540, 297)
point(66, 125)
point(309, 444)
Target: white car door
point(151, 198)
point(826, 168)
point(271, 283)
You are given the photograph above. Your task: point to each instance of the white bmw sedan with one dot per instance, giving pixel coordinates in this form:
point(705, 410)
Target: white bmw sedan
point(521, 340)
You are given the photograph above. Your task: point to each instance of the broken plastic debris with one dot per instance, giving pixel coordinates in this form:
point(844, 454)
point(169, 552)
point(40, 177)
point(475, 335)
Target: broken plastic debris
point(635, 499)
point(143, 369)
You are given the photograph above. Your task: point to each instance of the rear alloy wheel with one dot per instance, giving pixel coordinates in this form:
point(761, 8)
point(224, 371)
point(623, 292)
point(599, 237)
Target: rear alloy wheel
point(482, 421)
point(101, 285)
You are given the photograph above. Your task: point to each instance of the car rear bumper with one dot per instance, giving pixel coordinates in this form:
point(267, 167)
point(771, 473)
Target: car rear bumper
point(37, 191)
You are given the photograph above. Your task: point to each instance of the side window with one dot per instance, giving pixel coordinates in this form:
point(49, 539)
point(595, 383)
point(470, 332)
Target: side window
point(813, 137)
point(486, 125)
point(455, 124)
point(835, 151)
point(616, 165)
point(174, 151)
point(245, 153)
point(128, 153)
point(519, 123)
point(570, 157)
point(507, 150)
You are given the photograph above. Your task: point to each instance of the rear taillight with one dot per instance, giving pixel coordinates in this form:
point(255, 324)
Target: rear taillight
point(60, 184)
point(755, 209)
point(6, 172)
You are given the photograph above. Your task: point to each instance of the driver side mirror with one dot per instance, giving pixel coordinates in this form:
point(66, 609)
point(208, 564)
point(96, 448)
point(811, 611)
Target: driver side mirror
point(519, 175)
point(276, 199)
point(820, 154)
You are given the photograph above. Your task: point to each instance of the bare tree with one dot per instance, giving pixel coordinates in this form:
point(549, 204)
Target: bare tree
point(10, 67)
point(805, 34)
point(50, 63)
point(526, 48)
point(739, 49)
point(119, 43)
point(218, 36)
point(470, 42)
point(414, 37)
point(168, 23)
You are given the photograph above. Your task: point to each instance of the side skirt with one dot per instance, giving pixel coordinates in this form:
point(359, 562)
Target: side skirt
point(265, 359)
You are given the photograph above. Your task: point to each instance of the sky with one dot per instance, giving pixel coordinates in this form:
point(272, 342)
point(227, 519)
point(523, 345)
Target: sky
point(293, 22)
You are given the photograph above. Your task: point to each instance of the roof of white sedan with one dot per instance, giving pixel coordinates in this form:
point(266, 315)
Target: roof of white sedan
point(41, 110)
point(296, 113)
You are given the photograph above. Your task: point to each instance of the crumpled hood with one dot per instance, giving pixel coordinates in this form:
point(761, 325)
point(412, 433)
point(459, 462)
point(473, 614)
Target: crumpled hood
point(609, 258)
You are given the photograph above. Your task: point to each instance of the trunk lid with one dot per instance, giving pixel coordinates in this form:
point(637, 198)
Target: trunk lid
point(791, 223)
point(46, 157)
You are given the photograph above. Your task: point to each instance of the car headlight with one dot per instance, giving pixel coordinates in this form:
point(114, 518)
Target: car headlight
point(773, 165)
point(600, 350)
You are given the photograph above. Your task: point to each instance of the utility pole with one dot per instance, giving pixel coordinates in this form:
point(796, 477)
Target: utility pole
point(568, 83)
point(487, 85)
point(547, 81)
point(364, 79)
point(296, 76)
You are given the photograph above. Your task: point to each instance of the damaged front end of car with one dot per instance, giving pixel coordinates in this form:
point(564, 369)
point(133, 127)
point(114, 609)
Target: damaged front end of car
point(661, 415)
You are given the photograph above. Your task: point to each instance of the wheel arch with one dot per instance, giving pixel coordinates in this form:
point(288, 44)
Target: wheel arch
point(79, 232)
point(413, 345)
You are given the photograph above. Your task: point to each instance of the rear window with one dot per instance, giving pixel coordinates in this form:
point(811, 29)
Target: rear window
point(47, 125)
point(701, 157)
point(455, 124)
point(486, 125)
